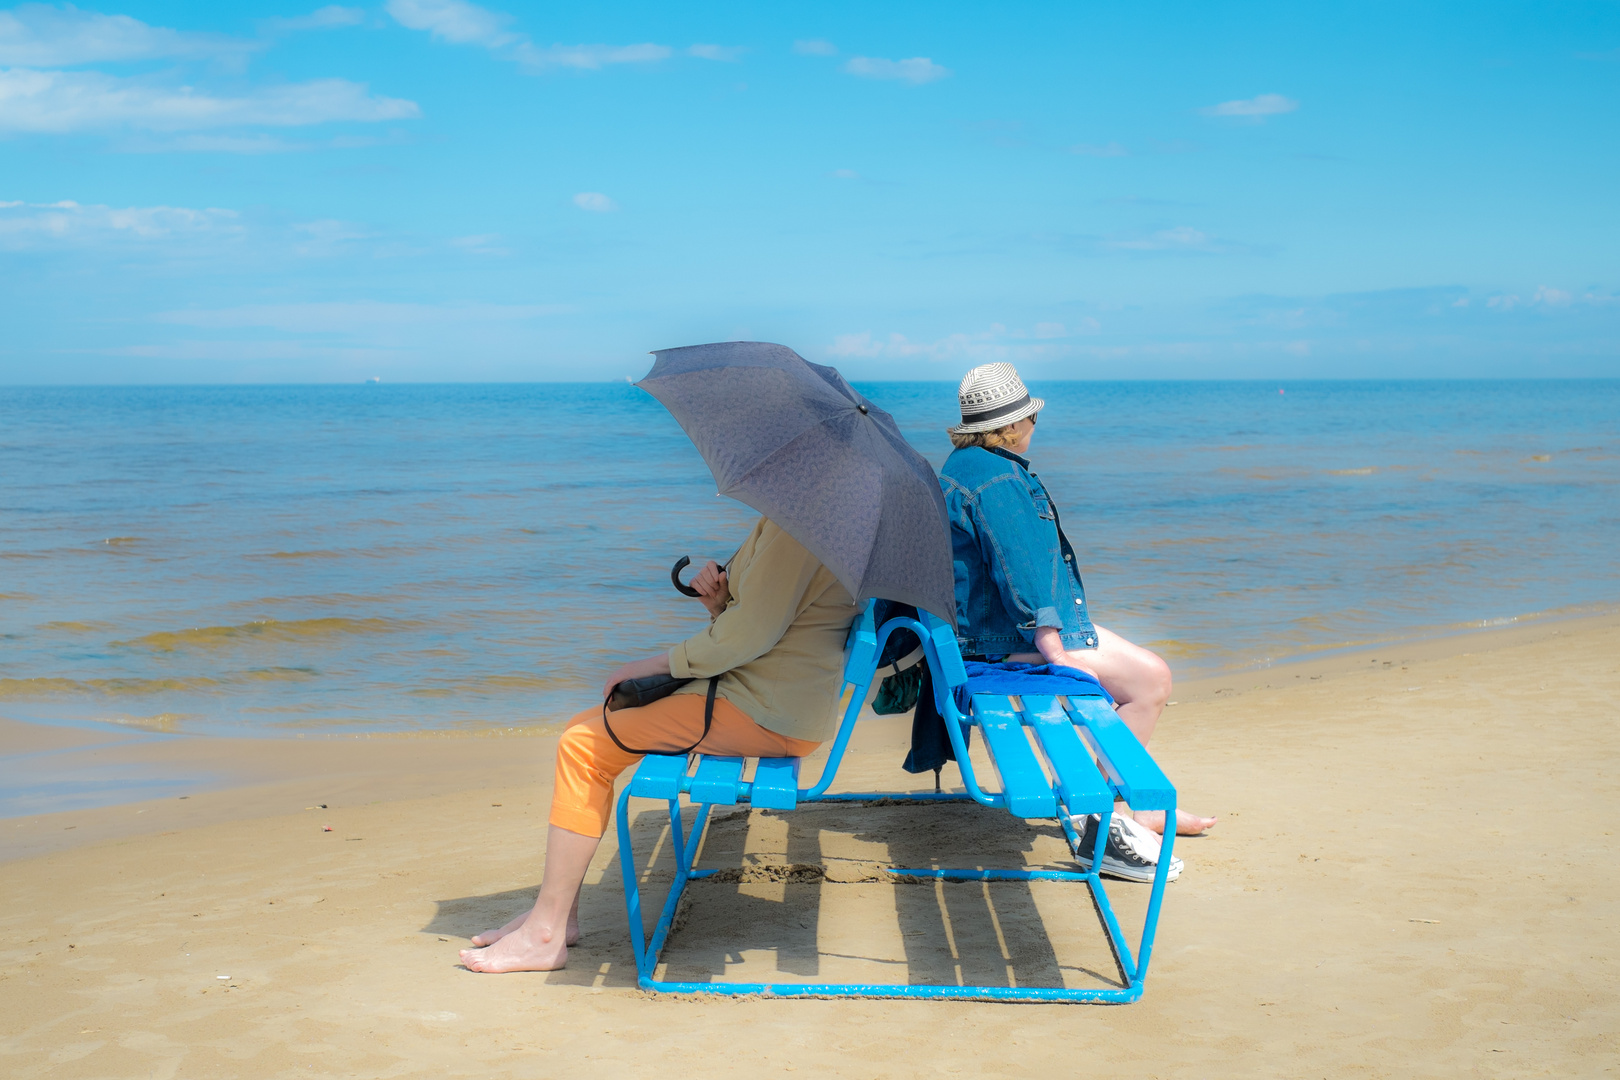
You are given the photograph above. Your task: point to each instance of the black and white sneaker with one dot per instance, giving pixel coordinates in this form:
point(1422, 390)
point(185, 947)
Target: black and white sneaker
point(1131, 852)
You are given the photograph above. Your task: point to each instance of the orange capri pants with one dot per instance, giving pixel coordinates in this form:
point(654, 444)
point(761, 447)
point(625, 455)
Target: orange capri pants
point(588, 761)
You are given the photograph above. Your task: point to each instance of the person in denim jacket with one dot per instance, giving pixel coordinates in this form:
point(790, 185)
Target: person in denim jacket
point(1019, 594)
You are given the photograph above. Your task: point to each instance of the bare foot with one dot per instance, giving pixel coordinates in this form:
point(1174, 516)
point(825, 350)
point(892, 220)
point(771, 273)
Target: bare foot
point(1186, 824)
point(530, 947)
point(490, 937)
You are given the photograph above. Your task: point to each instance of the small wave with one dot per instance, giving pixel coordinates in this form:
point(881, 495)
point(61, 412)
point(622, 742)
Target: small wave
point(1185, 540)
point(206, 637)
point(1181, 650)
point(14, 689)
point(163, 723)
point(493, 683)
point(77, 627)
point(55, 686)
point(1539, 458)
point(1352, 472)
point(117, 541)
point(277, 674)
point(304, 555)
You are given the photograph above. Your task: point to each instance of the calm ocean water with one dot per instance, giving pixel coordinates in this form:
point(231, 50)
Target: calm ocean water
point(290, 559)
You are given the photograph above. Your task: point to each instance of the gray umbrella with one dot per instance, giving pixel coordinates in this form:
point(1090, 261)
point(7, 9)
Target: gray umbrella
point(796, 442)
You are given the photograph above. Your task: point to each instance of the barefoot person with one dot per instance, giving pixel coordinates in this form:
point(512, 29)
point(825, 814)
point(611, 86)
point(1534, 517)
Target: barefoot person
point(778, 623)
point(1018, 591)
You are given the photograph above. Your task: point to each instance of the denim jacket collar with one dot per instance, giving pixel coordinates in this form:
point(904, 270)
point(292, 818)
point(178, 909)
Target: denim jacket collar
point(1002, 451)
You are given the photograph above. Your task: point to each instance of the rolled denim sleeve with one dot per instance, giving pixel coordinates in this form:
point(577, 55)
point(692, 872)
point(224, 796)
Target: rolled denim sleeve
point(1017, 544)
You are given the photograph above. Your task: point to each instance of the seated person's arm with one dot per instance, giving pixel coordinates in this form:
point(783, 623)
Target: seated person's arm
point(769, 597)
point(1025, 573)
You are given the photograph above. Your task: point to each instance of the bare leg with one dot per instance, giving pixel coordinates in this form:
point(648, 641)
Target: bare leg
point(540, 942)
point(1140, 682)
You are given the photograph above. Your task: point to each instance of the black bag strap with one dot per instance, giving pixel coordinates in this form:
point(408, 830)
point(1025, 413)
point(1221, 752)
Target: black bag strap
point(708, 720)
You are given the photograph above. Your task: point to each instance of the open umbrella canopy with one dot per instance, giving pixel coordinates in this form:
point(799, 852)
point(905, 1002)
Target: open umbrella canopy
point(796, 442)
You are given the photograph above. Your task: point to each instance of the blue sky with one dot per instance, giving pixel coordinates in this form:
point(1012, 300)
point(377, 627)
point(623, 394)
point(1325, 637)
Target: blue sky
point(435, 190)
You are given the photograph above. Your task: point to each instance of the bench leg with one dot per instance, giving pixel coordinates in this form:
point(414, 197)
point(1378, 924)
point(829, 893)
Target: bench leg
point(684, 847)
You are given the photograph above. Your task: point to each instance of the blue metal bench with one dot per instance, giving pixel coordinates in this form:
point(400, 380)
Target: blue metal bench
point(1074, 735)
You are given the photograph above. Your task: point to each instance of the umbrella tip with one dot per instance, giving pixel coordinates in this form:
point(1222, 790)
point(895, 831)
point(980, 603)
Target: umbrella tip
point(863, 409)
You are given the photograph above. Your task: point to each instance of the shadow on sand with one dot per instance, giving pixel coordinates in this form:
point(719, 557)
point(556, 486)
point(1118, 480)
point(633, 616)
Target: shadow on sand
point(808, 897)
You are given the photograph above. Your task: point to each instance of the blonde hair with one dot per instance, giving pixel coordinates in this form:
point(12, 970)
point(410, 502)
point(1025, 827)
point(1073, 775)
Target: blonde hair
point(1005, 436)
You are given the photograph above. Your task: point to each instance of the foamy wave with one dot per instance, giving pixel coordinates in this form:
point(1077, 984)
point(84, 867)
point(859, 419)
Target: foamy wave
point(162, 723)
point(211, 637)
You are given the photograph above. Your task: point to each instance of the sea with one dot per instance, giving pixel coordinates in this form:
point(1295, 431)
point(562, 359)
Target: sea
point(299, 560)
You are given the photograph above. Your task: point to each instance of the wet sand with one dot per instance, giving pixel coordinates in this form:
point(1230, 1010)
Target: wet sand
point(1414, 875)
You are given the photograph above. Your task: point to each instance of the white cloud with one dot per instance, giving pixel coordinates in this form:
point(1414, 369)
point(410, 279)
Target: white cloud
point(340, 316)
point(327, 237)
point(251, 145)
point(461, 23)
point(1546, 298)
point(978, 348)
point(845, 174)
point(36, 225)
point(595, 202)
point(815, 47)
point(1112, 149)
point(1180, 238)
point(727, 53)
point(1255, 108)
point(455, 21)
point(329, 17)
point(917, 70)
point(39, 35)
point(589, 57)
point(60, 101)
point(480, 244)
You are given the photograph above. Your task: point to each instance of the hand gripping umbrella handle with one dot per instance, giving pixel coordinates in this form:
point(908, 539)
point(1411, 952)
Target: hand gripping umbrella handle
point(675, 577)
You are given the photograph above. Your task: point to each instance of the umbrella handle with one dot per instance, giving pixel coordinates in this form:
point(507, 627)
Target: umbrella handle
point(675, 577)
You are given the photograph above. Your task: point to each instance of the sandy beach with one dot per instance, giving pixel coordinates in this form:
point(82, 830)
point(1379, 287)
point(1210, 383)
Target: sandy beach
point(1414, 875)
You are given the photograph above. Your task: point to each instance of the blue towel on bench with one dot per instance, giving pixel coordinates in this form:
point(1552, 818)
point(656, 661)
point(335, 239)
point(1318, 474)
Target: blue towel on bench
point(1011, 678)
point(931, 744)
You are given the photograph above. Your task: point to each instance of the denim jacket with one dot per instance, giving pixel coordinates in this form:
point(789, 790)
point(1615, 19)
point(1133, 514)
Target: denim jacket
point(1015, 570)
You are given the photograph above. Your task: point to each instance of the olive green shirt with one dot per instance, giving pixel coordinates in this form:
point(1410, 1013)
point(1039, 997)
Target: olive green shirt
point(780, 641)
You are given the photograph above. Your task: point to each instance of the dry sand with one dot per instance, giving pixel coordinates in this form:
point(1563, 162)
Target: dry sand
point(1414, 875)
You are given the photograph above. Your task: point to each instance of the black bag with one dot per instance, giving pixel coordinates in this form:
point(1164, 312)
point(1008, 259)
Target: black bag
point(634, 693)
point(898, 692)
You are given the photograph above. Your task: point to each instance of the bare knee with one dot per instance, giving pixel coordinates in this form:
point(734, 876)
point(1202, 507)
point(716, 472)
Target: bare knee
point(1156, 678)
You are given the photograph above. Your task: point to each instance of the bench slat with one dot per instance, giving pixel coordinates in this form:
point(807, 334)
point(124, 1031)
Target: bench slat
point(658, 777)
point(1137, 775)
point(776, 783)
point(716, 780)
point(1083, 788)
point(1029, 793)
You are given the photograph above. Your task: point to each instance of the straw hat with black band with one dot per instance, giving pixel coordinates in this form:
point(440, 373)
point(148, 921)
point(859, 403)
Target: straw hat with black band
point(993, 396)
